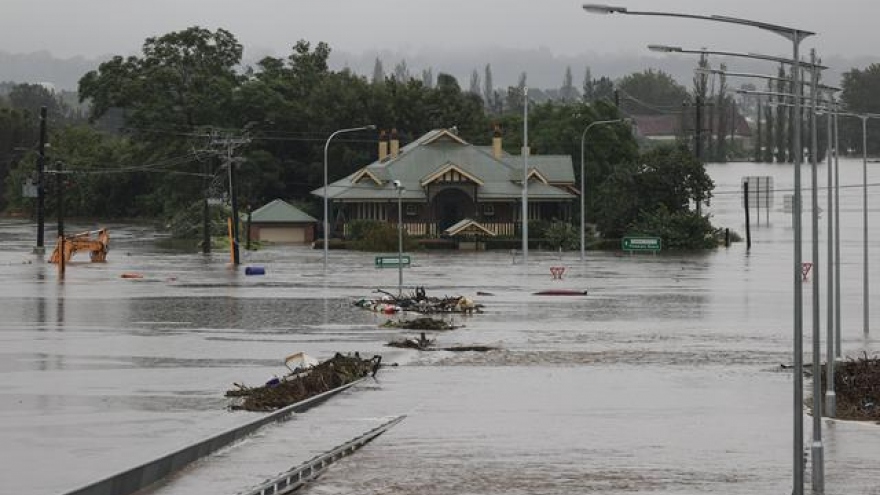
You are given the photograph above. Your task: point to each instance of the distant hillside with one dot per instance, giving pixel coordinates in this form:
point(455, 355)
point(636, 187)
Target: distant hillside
point(544, 68)
point(43, 67)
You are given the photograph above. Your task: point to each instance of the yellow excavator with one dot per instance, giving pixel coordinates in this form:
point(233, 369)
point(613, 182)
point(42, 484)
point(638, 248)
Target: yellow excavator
point(96, 242)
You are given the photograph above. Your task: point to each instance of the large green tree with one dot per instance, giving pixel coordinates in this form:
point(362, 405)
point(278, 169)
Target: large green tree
point(182, 80)
point(651, 93)
point(861, 94)
point(181, 84)
point(662, 182)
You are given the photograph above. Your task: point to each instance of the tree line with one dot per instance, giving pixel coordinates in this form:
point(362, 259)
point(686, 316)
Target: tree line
point(149, 146)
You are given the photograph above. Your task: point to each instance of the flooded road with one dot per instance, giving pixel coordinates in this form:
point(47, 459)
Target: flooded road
point(665, 379)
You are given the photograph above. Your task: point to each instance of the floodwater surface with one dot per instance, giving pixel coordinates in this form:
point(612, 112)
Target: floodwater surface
point(664, 379)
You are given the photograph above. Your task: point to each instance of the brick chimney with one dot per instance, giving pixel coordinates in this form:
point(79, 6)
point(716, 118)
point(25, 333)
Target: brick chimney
point(496, 142)
point(383, 145)
point(395, 144)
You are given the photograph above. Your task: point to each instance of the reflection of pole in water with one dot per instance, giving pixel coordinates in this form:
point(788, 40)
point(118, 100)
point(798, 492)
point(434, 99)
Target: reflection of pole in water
point(758, 199)
point(748, 221)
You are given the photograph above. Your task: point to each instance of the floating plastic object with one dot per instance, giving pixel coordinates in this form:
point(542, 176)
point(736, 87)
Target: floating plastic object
point(255, 270)
point(300, 360)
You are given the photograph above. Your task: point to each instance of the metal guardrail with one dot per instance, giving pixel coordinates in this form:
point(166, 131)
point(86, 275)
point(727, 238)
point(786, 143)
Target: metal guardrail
point(140, 477)
point(311, 469)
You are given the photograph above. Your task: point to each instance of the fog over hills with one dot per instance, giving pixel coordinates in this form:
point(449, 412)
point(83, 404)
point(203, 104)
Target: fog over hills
point(544, 68)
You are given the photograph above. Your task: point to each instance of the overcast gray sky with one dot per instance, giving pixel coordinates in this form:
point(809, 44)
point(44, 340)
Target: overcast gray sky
point(98, 27)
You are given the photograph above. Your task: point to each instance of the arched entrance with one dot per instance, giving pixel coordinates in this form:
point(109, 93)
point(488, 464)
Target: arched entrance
point(451, 206)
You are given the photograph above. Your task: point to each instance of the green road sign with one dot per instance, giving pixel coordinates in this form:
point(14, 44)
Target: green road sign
point(391, 261)
point(641, 244)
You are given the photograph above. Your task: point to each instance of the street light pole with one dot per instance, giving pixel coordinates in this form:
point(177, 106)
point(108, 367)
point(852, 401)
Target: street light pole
point(795, 36)
point(837, 347)
point(865, 291)
point(326, 204)
point(583, 178)
point(830, 394)
point(798, 446)
point(865, 220)
point(817, 449)
point(525, 184)
point(400, 190)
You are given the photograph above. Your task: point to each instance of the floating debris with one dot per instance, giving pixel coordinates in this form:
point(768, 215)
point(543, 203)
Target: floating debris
point(419, 302)
point(470, 348)
point(857, 385)
point(561, 292)
point(303, 383)
point(425, 323)
point(423, 343)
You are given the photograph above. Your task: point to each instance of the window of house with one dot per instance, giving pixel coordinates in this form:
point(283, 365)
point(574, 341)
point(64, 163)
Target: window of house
point(489, 210)
point(412, 210)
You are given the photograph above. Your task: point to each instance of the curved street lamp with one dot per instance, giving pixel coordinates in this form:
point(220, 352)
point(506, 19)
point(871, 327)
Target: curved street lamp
point(583, 180)
point(795, 36)
point(326, 205)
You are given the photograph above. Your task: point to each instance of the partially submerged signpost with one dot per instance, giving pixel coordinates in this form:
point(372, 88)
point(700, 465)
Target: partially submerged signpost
point(641, 244)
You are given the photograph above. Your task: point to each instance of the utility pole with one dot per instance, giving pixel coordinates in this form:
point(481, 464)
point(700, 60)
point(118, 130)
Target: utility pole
point(59, 174)
point(206, 217)
point(231, 144)
point(41, 186)
point(62, 261)
point(698, 138)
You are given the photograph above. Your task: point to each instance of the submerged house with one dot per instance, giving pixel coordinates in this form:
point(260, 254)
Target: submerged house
point(281, 223)
point(446, 183)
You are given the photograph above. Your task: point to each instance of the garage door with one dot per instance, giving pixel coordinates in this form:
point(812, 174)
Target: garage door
point(286, 235)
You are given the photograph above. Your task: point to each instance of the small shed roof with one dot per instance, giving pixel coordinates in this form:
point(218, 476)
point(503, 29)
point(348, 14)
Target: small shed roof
point(280, 211)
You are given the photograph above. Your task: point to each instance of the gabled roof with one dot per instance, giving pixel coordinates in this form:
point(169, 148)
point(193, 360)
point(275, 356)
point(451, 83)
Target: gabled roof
point(366, 173)
point(450, 167)
point(534, 173)
point(443, 133)
point(468, 227)
point(279, 211)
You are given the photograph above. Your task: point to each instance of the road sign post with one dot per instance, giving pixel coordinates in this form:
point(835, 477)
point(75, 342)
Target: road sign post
point(652, 244)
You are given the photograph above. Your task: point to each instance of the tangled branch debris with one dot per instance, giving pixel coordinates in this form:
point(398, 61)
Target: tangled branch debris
point(302, 384)
point(857, 385)
point(417, 301)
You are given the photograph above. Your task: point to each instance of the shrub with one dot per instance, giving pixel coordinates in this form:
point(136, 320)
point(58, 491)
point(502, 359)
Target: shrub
point(679, 230)
point(562, 235)
point(376, 236)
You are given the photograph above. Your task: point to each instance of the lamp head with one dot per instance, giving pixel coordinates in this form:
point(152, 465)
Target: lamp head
point(396, 184)
point(596, 8)
point(370, 127)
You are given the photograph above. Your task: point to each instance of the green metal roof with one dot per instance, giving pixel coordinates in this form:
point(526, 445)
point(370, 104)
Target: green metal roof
point(280, 211)
point(438, 149)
